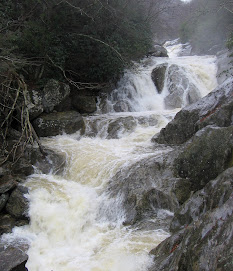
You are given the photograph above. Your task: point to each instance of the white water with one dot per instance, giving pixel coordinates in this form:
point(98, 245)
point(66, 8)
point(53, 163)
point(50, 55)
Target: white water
point(66, 231)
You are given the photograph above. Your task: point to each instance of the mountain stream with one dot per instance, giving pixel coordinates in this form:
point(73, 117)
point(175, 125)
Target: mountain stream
point(74, 225)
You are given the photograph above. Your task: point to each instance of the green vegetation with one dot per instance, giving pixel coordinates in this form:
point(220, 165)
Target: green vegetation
point(85, 41)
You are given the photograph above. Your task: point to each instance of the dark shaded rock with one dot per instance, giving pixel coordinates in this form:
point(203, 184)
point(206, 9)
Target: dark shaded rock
point(158, 51)
point(213, 195)
point(57, 123)
point(48, 161)
point(120, 126)
point(17, 204)
point(84, 104)
point(54, 93)
point(7, 183)
point(204, 157)
point(3, 200)
point(158, 76)
point(22, 167)
point(187, 122)
point(182, 189)
point(224, 64)
point(7, 223)
point(206, 244)
point(13, 258)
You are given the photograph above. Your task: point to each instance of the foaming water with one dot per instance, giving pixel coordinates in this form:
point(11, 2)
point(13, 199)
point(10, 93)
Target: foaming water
point(68, 229)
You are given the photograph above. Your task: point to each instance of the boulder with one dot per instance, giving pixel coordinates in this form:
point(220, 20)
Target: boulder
point(48, 161)
point(84, 104)
point(205, 244)
point(52, 96)
point(54, 93)
point(13, 258)
point(180, 90)
point(209, 110)
point(18, 204)
point(22, 167)
point(213, 195)
point(158, 76)
point(145, 189)
point(158, 51)
point(121, 106)
point(7, 183)
point(121, 125)
point(205, 156)
point(57, 123)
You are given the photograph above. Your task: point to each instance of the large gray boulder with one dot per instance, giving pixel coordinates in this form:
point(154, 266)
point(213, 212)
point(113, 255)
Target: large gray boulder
point(205, 240)
point(158, 76)
point(7, 183)
point(145, 189)
point(180, 90)
point(18, 204)
point(47, 99)
point(57, 123)
point(215, 108)
point(13, 258)
point(119, 126)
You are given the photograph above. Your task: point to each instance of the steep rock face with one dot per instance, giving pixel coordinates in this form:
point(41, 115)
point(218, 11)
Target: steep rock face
point(210, 109)
point(57, 123)
point(206, 243)
point(215, 194)
point(145, 188)
point(205, 156)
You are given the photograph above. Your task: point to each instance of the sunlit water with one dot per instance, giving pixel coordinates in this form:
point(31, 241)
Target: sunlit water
point(67, 231)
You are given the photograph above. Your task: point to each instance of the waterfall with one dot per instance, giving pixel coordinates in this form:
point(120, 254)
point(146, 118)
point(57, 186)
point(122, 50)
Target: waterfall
point(69, 229)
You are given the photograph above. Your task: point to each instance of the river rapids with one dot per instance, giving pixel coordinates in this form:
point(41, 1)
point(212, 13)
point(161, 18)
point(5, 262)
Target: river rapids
point(74, 225)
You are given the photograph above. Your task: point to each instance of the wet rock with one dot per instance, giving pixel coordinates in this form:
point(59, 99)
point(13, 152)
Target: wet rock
point(206, 244)
point(204, 157)
point(120, 126)
point(18, 205)
point(145, 188)
point(3, 200)
point(48, 161)
point(121, 106)
point(7, 223)
point(158, 51)
point(54, 93)
point(179, 86)
point(213, 195)
point(13, 258)
point(84, 104)
point(7, 183)
point(158, 76)
point(57, 123)
point(187, 122)
point(182, 189)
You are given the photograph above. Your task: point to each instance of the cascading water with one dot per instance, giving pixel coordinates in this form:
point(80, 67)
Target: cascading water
point(68, 228)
